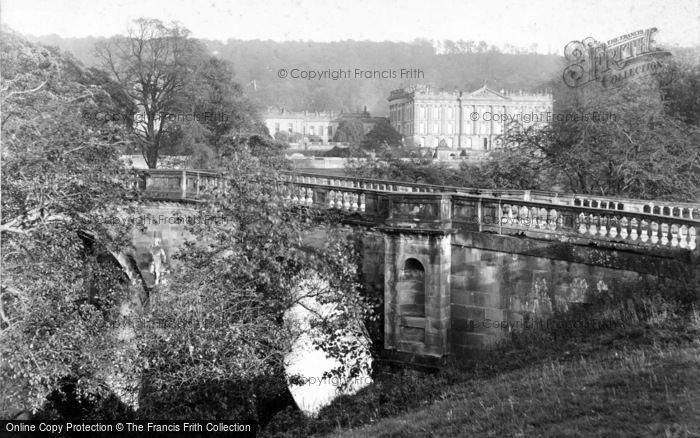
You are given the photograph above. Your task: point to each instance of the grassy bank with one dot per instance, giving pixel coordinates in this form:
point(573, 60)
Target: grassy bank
point(636, 392)
point(641, 378)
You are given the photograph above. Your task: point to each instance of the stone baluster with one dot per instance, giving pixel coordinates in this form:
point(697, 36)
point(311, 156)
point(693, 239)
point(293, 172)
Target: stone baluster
point(692, 238)
point(655, 232)
point(624, 228)
point(309, 196)
point(665, 234)
point(581, 223)
point(603, 224)
point(592, 224)
point(542, 218)
point(644, 231)
point(339, 200)
point(354, 205)
point(552, 219)
point(674, 235)
point(362, 202)
point(633, 229)
point(346, 201)
point(683, 237)
point(331, 199)
point(524, 216)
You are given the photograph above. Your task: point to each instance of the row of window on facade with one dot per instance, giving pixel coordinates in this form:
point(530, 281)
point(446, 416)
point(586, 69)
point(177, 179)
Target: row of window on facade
point(400, 113)
point(449, 129)
point(311, 130)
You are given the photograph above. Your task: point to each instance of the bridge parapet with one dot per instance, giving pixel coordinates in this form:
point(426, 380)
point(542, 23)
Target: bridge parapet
point(545, 215)
point(177, 185)
point(662, 208)
point(543, 220)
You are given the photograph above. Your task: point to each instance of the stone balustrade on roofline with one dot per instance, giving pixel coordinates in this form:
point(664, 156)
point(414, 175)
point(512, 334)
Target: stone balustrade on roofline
point(434, 208)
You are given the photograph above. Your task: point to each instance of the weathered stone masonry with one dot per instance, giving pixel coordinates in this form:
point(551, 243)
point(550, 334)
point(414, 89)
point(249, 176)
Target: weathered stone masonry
point(454, 265)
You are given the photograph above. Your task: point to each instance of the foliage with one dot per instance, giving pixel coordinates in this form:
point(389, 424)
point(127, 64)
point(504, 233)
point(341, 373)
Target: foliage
point(382, 136)
point(153, 64)
point(447, 64)
point(349, 131)
point(288, 137)
point(219, 108)
point(347, 152)
point(633, 148)
point(222, 334)
point(61, 177)
point(680, 87)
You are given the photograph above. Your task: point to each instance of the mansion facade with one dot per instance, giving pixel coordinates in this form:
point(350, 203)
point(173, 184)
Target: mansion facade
point(460, 121)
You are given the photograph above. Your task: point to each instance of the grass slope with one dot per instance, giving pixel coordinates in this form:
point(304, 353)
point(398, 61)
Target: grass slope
point(636, 392)
point(639, 378)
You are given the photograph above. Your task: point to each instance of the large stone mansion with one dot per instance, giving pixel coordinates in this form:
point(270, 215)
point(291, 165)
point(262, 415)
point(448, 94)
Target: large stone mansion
point(463, 121)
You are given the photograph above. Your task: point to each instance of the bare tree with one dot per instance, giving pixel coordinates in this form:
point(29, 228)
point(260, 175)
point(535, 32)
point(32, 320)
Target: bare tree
point(153, 64)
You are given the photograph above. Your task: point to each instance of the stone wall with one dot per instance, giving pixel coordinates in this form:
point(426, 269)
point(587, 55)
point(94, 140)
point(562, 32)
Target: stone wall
point(494, 291)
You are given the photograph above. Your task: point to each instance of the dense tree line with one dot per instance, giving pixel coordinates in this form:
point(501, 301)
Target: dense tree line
point(446, 64)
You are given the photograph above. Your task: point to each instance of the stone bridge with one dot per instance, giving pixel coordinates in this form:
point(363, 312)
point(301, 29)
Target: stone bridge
point(456, 265)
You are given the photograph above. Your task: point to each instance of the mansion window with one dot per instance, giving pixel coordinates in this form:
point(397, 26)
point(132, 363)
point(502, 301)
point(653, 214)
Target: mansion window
point(421, 128)
point(277, 128)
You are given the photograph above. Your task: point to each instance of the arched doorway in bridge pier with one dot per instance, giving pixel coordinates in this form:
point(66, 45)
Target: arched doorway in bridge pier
point(410, 289)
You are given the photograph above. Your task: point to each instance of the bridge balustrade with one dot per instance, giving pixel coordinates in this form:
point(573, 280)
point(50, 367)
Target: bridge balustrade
point(514, 217)
point(167, 184)
point(672, 209)
point(542, 214)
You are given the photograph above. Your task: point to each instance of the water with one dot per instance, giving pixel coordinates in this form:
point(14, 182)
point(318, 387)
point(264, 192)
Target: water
point(310, 364)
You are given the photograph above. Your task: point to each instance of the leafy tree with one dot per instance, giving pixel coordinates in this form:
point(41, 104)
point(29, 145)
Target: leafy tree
point(393, 166)
point(153, 64)
point(383, 135)
point(620, 142)
point(680, 87)
point(219, 107)
point(288, 137)
point(61, 178)
point(348, 152)
point(349, 131)
point(220, 353)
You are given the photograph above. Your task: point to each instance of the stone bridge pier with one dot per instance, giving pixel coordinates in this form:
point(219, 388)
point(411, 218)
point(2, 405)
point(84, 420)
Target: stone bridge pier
point(417, 291)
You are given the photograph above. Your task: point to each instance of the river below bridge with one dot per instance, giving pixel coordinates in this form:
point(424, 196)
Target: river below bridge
point(305, 365)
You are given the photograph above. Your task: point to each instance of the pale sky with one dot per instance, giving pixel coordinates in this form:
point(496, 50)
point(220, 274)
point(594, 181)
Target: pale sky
point(549, 24)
